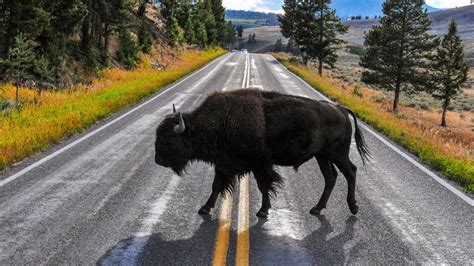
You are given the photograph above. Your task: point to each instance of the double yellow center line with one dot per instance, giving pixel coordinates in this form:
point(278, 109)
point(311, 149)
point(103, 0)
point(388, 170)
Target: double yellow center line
point(223, 231)
point(225, 214)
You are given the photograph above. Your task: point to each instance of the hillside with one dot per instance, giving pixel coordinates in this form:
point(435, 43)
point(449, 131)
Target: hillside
point(251, 19)
point(464, 16)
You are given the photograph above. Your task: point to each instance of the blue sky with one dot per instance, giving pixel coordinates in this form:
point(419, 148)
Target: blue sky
point(275, 5)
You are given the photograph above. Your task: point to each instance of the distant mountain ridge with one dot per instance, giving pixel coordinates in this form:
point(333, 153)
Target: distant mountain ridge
point(251, 19)
point(344, 8)
point(347, 8)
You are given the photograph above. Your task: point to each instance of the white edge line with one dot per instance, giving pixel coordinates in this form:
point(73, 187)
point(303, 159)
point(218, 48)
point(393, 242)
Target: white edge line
point(440, 180)
point(245, 73)
point(74, 143)
point(248, 70)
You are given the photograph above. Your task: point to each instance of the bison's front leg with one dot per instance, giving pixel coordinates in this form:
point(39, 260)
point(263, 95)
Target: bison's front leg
point(265, 180)
point(220, 183)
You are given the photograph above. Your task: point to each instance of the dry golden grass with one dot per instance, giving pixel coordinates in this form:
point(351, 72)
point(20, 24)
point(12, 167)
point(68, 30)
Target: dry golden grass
point(458, 137)
point(53, 116)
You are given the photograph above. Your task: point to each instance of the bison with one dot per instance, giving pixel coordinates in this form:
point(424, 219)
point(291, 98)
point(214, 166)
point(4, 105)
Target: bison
point(249, 130)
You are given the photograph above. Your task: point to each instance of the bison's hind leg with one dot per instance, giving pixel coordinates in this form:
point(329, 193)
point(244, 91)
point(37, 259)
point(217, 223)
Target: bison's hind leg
point(330, 174)
point(267, 180)
point(349, 171)
point(221, 184)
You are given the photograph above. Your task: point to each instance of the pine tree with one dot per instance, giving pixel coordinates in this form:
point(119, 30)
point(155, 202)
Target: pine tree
point(230, 34)
point(144, 37)
point(326, 27)
point(201, 35)
point(218, 12)
point(293, 25)
point(314, 28)
point(278, 46)
point(398, 50)
point(205, 16)
point(44, 69)
point(172, 27)
point(168, 8)
point(449, 69)
point(183, 11)
point(128, 50)
point(190, 30)
point(291, 47)
point(240, 31)
point(18, 63)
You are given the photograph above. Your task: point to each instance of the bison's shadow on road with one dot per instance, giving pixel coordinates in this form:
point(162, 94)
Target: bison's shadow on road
point(315, 248)
point(197, 250)
point(322, 246)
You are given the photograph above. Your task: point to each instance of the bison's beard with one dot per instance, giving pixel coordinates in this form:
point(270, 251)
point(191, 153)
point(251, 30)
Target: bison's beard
point(179, 169)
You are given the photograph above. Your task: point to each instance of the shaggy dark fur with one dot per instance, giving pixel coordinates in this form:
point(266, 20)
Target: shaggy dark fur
point(248, 130)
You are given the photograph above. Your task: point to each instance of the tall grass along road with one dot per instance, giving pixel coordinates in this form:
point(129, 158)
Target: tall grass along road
point(52, 116)
point(100, 197)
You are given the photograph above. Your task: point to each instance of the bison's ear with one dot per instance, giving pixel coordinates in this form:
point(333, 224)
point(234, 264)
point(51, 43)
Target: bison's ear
point(181, 127)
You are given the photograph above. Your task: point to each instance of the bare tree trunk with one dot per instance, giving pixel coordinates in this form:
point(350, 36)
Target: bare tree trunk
point(142, 8)
point(105, 51)
point(396, 98)
point(85, 34)
point(17, 95)
point(445, 108)
point(320, 67)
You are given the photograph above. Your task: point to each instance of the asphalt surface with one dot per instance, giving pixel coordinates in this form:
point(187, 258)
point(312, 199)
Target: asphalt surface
point(100, 198)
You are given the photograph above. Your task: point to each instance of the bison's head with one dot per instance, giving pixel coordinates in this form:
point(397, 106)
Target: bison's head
point(172, 147)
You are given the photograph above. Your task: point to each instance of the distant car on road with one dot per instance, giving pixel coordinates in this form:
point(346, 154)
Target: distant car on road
point(244, 51)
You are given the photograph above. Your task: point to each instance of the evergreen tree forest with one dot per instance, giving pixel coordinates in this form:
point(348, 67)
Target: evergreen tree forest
point(59, 32)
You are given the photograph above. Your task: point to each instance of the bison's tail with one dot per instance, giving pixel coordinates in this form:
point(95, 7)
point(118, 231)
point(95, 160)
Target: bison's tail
point(362, 147)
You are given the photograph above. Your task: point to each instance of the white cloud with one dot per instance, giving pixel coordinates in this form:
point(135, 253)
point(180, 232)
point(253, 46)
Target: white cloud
point(240, 5)
point(448, 3)
point(255, 5)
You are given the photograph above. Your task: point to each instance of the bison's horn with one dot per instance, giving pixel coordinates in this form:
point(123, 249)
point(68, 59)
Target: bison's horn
point(178, 129)
point(174, 109)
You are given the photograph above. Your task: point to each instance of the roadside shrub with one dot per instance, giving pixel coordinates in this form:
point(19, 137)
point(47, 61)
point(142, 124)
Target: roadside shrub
point(92, 58)
point(379, 98)
point(424, 106)
point(296, 60)
point(356, 50)
point(357, 92)
point(128, 50)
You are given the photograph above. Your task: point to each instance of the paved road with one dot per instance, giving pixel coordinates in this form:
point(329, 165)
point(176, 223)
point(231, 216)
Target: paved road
point(100, 198)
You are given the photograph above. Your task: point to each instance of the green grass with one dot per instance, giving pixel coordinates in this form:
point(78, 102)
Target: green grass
point(360, 51)
point(56, 115)
point(248, 23)
point(428, 149)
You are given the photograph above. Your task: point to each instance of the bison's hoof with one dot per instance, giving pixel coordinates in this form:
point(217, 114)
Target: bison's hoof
point(204, 210)
point(354, 209)
point(315, 211)
point(262, 214)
